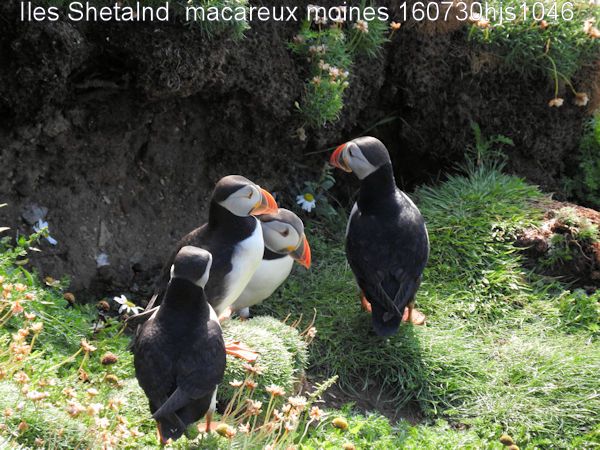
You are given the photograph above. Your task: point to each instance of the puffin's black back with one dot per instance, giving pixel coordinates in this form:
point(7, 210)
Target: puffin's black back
point(387, 248)
point(180, 349)
point(219, 236)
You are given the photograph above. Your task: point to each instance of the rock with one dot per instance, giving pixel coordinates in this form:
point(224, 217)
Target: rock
point(57, 125)
point(105, 236)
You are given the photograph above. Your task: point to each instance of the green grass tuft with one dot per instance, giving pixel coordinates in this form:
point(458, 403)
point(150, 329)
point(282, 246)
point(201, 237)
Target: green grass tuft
point(496, 354)
point(558, 50)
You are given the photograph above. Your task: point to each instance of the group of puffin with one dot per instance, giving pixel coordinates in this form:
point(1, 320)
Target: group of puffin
point(242, 254)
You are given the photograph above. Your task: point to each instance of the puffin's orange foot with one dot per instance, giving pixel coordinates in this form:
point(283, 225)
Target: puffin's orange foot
point(161, 439)
point(365, 304)
point(413, 315)
point(209, 425)
point(225, 315)
point(241, 351)
point(206, 427)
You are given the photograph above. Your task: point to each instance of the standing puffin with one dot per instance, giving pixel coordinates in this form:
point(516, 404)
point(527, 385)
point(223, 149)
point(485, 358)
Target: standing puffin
point(285, 242)
point(179, 353)
point(234, 238)
point(387, 245)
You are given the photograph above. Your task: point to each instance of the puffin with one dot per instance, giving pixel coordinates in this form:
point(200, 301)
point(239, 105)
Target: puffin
point(234, 237)
point(387, 245)
point(285, 242)
point(179, 353)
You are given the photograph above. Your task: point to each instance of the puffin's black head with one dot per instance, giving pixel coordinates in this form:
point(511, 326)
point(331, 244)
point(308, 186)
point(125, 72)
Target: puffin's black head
point(363, 156)
point(242, 197)
point(192, 264)
point(283, 233)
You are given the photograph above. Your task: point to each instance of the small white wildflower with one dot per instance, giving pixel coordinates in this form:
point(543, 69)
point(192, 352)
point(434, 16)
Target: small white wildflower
point(306, 201)
point(324, 66)
point(127, 306)
point(556, 102)
point(334, 72)
point(301, 133)
point(581, 99)
point(321, 20)
point(337, 14)
point(41, 226)
point(362, 26)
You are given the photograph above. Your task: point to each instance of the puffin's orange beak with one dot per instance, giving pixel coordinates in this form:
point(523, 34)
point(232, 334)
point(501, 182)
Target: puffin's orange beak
point(302, 254)
point(338, 160)
point(267, 204)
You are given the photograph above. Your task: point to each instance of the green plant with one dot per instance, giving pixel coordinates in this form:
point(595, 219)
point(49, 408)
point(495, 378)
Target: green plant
point(580, 227)
point(285, 349)
point(581, 311)
point(210, 21)
point(67, 383)
point(547, 37)
point(486, 151)
point(330, 51)
point(495, 356)
point(329, 65)
point(585, 184)
point(314, 195)
point(560, 251)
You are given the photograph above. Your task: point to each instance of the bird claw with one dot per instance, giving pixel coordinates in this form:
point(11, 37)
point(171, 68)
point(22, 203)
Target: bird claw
point(225, 315)
point(365, 304)
point(413, 315)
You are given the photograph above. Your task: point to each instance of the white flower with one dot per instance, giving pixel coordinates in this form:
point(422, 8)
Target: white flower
point(102, 260)
point(362, 26)
point(301, 133)
point(321, 20)
point(581, 99)
point(338, 14)
point(126, 305)
point(307, 201)
point(556, 102)
point(41, 226)
point(323, 65)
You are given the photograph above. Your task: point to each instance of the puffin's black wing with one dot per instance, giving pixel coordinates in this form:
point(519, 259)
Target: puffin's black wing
point(154, 366)
point(387, 252)
point(199, 371)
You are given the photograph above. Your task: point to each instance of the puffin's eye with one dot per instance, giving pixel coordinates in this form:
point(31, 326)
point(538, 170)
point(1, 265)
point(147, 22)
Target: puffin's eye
point(250, 194)
point(350, 152)
point(285, 233)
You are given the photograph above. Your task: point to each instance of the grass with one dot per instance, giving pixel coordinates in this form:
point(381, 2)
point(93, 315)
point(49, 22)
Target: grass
point(504, 350)
point(559, 47)
point(58, 389)
point(585, 182)
point(497, 354)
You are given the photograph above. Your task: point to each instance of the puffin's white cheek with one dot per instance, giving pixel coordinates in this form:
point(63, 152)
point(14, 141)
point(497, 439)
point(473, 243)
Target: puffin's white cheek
point(362, 168)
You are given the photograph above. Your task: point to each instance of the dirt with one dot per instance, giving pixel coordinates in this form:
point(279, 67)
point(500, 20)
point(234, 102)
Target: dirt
point(582, 266)
point(119, 131)
point(369, 400)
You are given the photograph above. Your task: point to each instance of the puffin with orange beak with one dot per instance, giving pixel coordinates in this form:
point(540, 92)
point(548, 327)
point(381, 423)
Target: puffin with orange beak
point(387, 245)
point(234, 238)
point(285, 242)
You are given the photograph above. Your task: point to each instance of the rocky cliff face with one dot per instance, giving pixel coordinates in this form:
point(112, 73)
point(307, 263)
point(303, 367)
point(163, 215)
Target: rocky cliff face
point(119, 131)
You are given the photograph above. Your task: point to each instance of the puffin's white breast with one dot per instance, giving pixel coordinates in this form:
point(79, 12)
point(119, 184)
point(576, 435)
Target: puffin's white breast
point(245, 259)
point(268, 277)
point(354, 211)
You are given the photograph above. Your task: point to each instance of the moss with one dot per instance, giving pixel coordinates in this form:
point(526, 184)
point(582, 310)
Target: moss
point(286, 352)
